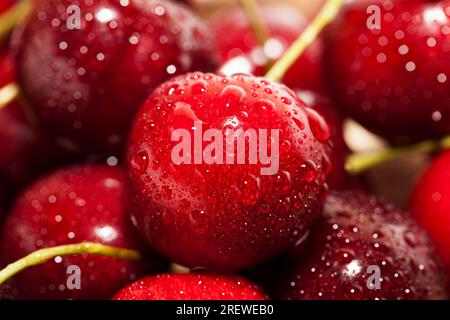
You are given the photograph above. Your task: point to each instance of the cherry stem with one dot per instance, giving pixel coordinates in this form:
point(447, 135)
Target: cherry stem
point(326, 15)
point(358, 163)
point(8, 94)
point(11, 17)
point(44, 255)
point(251, 10)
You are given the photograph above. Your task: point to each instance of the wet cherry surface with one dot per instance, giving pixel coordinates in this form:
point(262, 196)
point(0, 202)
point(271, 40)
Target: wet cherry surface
point(430, 204)
point(394, 80)
point(338, 178)
point(85, 85)
point(226, 216)
point(71, 206)
point(191, 287)
point(240, 52)
point(359, 232)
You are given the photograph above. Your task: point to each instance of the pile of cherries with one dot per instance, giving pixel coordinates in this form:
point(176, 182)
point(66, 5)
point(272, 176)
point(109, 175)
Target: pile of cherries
point(86, 152)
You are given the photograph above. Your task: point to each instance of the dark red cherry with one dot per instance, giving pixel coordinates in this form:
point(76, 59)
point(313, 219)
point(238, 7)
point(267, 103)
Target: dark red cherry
point(240, 52)
point(8, 291)
point(430, 204)
point(6, 69)
point(2, 200)
point(225, 216)
point(393, 80)
point(85, 85)
point(26, 151)
point(74, 205)
point(192, 287)
point(364, 249)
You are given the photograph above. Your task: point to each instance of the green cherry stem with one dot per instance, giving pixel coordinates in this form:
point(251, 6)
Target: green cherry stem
point(326, 15)
point(44, 255)
point(251, 10)
point(11, 17)
point(358, 163)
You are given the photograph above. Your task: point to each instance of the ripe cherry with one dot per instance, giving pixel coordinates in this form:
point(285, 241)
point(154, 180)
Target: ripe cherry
point(6, 68)
point(338, 178)
point(85, 85)
point(191, 287)
point(74, 205)
point(2, 200)
point(5, 5)
point(240, 52)
point(226, 216)
point(359, 241)
point(26, 151)
point(320, 102)
point(8, 291)
point(430, 204)
point(394, 79)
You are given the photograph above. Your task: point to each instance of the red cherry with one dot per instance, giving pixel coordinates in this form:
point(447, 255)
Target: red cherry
point(359, 233)
point(338, 178)
point(241, 53)
point(87, 84)
point(6, 69)
point(393, 80)
point(26, 151)
point(191, 287)
point(8, 291)
point(2, 200)
point(6, 4)
point(71, 206)
point(430, 204)
point(225, 217)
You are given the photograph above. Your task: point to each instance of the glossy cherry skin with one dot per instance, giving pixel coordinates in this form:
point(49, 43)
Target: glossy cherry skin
point(239, 49)
point(191, 286)
point(430, 204)
point(357, 232)
point(394, 81)
point(225, 217)
point(338, 178)
point(86, 85)
point(74, 205)
point(26, 152)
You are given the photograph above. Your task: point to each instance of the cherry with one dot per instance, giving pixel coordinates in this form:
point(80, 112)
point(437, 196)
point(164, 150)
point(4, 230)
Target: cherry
point(5, 5)
point(191, 287)
point(225, 217)
point(357, 233)
point(338, 178)
point(320, 102)
point(8, 291)
point(240, 52)
point(26, 151)
point(430, 204)
point(393, 80)
point(6, 68)
point(85, 85)
point(74, 205)
point(2, 200)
